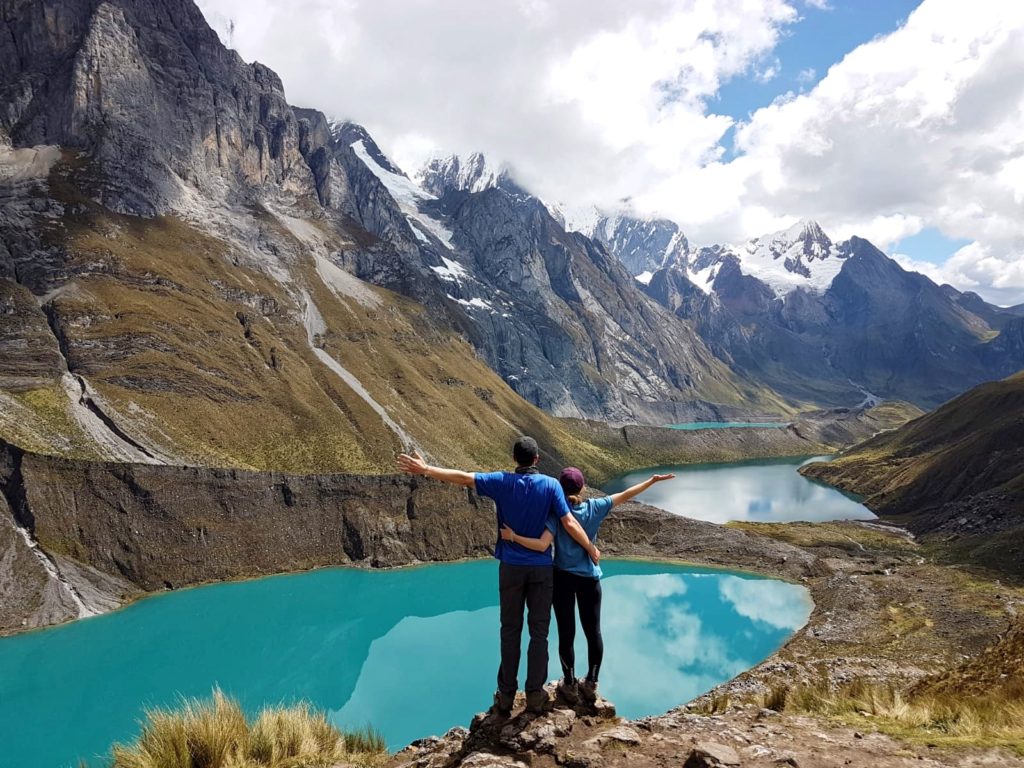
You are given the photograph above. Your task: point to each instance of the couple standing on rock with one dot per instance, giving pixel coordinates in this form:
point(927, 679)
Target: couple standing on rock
point(534, 511)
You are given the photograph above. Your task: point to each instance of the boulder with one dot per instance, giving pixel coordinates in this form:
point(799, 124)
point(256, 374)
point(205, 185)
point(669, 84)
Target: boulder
point(709, 754)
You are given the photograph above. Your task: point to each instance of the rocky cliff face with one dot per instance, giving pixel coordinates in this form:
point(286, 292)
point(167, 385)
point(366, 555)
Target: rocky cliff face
point(78, 537)
point(148, 90)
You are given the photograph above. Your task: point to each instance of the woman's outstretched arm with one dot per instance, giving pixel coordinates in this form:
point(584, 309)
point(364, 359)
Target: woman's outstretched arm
point(537, 545)
point(624, 496)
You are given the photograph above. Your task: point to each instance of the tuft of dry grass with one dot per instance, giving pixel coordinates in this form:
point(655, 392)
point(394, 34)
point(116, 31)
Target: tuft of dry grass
point(713, 704)
point(215, 733)
point(940, 717)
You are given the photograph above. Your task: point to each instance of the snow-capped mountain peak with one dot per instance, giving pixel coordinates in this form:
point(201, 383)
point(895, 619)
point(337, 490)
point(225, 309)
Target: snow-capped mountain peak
point(406, 193)
point(801, 256)
point(460, 174)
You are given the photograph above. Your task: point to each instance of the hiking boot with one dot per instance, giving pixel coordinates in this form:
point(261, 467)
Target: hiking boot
point(536, 701)
point(503, 704)
point(588, 690)
point(567, 689)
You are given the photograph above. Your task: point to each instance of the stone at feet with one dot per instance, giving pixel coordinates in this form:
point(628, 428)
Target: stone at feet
point(621, 734)
point(708, 754)
point(487, 760)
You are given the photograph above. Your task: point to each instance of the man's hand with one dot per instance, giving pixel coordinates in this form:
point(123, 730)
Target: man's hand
point(595, 554)
point(660, 478)
point(507, 533)
point(412, 465)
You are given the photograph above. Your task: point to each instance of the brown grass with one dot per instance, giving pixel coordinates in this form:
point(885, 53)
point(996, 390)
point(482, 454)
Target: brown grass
point(216, 734)
point(942, 717)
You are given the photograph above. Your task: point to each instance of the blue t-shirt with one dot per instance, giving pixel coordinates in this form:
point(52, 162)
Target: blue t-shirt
point(529, 503)
point(570, 556)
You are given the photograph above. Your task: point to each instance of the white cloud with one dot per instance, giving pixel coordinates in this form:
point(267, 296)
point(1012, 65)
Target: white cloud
point(921, 128)
point(600, 101)
point(807, 75)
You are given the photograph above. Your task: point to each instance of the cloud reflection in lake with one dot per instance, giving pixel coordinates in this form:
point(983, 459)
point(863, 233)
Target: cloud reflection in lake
point(669, 636)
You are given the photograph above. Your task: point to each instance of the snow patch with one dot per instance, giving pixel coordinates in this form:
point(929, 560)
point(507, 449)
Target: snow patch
point(474, 303)
point(644, 277)
point(406, 193)
point(451, 271)
point(703, 278)
point(801, 256)
point(315, 326)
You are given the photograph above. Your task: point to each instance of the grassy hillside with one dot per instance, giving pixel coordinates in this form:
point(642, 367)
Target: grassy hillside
point(955, 475)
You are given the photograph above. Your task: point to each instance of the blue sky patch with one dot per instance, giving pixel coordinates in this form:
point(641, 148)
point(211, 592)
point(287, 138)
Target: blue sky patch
point(929, 245)
point(808, 48)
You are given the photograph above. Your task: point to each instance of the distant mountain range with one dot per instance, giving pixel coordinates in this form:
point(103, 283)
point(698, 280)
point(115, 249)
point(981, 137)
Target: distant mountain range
point(835, 323)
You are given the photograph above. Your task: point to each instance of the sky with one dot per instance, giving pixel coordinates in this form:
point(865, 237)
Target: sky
point(899, 121)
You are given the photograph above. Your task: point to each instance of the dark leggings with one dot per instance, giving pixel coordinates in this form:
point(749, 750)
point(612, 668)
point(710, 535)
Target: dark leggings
point(572, 590)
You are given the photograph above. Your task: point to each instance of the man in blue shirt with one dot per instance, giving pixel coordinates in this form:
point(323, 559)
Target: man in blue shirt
point(529, 503)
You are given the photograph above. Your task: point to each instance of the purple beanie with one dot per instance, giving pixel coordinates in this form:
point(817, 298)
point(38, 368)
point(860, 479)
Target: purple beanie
point(572, 481)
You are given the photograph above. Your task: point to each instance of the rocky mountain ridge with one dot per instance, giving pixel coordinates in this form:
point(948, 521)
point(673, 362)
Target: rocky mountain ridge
point(837, 322)
point(819, 321)
point(195, 271)
point(954, 476)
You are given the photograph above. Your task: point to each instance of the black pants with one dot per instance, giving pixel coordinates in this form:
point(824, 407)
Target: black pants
point(520, 586)
point(572, 590)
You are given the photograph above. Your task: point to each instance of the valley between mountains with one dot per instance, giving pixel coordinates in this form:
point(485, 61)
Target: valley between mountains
point(222, 316)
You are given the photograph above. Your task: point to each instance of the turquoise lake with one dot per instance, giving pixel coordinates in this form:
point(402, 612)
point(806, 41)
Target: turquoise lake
point(768, 490)
point(728, 424)
point(413, 651)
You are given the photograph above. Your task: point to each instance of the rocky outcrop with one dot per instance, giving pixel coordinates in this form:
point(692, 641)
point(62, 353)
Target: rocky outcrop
point(867, 581)
point(148, 90)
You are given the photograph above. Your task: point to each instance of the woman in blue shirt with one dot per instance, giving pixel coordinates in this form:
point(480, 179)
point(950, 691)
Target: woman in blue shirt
point(577, 582)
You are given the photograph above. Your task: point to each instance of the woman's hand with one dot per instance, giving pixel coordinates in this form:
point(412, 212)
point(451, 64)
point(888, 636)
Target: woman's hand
point(507, 533)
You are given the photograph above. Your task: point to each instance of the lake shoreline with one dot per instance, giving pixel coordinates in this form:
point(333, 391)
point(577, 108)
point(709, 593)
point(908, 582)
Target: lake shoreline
point(883, 613)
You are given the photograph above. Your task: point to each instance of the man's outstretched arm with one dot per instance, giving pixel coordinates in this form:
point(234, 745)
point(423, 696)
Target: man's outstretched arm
point(415, 465)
